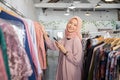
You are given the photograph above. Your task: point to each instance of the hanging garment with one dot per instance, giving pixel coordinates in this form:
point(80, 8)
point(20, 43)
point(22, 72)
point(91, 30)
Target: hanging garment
point(3, 75)
point(32, 50)
point(7, 16)
point(40, 45)
point(111, 69)
point(20, 67)
point(88, 58)
point(91, 68)
point(4, 68)
point(19, 30)
point(32, 32)
point(7, 11)
point(100, 63)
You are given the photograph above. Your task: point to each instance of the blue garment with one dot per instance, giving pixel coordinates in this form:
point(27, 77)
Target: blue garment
point(7, 16)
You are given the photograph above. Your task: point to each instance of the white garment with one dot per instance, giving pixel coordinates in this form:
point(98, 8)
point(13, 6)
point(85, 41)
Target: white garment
point(20, 33)
point(33, 37)
point(19, 30)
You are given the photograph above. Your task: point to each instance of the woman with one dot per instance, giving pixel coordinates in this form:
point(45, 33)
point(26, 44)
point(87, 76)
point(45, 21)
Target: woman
point(70, 51)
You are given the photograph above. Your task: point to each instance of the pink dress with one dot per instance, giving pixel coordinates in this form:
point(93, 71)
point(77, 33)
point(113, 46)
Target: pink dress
point(3, 75)
point(70, 65)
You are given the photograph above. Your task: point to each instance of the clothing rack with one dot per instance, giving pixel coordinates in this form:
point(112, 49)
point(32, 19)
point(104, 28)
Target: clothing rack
point(11, 7)
point(117, 31)
point(93, 34)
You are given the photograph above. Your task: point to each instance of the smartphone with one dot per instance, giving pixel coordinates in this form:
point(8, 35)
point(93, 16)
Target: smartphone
point(55, 39)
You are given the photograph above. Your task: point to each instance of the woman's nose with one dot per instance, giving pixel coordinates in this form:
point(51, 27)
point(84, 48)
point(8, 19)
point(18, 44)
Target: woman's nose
point(71, 25)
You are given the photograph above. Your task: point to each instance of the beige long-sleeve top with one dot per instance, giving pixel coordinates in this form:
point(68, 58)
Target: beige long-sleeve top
point(70, 65)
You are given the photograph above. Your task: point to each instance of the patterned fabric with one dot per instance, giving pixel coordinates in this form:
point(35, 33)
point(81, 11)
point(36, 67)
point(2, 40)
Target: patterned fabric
point(100, 64)
point(104, 63)
point(87, 59)
point(20, 67)
point(19, 30)
point(108, 66)
point(111, 71)
point(91, 68)
point(83, 44)
point(7, 16)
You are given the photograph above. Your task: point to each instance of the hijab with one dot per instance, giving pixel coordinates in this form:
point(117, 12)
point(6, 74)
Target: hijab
point(77, 32)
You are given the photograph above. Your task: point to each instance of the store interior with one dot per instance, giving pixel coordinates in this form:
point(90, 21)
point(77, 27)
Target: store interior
point(99, 17)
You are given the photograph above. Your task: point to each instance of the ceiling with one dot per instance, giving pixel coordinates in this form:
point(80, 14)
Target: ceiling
point(79, 4)
point(69, 1)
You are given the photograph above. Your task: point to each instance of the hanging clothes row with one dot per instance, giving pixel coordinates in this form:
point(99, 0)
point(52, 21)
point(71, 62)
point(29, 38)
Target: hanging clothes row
point(22, 51)
point(101, 60)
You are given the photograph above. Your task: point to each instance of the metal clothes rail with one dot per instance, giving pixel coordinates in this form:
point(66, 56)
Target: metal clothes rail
point(11, 7)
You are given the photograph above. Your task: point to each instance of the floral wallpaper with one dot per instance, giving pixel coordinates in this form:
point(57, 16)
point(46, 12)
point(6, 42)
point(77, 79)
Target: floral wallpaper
point(87, 25)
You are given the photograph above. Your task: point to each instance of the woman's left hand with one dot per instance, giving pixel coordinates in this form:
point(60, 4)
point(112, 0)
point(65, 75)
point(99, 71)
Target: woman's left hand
point(61, 47)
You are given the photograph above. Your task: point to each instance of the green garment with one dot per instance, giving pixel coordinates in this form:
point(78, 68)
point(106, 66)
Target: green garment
point(4, 51)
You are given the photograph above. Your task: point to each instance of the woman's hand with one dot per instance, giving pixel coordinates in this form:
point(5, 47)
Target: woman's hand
point(61, 48)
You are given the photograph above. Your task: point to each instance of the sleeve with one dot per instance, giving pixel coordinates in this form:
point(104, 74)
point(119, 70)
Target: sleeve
point(51, 44)
point(75, 56)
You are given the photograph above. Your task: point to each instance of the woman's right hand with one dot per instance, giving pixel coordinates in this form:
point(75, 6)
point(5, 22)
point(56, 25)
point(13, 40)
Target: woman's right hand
point(61, 47)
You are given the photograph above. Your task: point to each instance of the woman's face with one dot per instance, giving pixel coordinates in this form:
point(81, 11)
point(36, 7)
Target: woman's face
point(72, 26)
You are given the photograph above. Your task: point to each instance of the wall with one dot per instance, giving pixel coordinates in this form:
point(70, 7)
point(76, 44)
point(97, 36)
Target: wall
point(95, 15)
point(26, 7)
point(56, 21)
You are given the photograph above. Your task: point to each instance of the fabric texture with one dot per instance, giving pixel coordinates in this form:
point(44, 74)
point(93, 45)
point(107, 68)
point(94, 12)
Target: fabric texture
point(32, 50)
point(7, 16)
point(40, 45)
point(20, 67)
point(31, 28)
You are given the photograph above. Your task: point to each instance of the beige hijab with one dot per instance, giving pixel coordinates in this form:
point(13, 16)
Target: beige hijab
point(77, 32)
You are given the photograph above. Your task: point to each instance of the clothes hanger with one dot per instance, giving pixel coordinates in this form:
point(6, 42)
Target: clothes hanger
point(115, 42)
point(118, 43)
point(111, 40)
point(106, 40)
point(9, 12)
point(116, 47)
point(100, 39)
